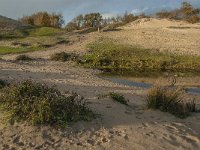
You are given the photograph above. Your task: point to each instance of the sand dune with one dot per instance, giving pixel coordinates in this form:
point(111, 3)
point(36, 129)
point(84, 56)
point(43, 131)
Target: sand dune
point(161, 34)
point(119, 127)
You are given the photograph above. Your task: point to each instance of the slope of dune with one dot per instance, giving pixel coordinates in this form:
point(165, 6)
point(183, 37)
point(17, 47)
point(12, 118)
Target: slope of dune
point(159, 23)
point(10, 24)
point(177, 37)
point(119, 127)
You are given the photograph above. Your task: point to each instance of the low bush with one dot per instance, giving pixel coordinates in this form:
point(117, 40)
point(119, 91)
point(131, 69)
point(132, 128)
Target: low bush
point(186, 12)
point(62, 56)
point(193, 19)
point(118, 98)
point(3, 84)
point(169, 100)
point(23, 58)
point(37, 103)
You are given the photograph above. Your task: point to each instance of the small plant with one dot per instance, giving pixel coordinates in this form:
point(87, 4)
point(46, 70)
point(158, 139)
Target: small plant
point(23, 58)
point(37, 103)
point(169, 100)
point(62, 56)
point(3, 84)
point(119, 98)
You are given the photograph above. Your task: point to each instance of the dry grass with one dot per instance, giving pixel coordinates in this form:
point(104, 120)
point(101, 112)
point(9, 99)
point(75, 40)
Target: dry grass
point(170, 100)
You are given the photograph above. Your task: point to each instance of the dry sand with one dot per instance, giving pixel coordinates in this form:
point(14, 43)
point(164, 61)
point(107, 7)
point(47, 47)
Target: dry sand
point(119, 127)
point(164, 35)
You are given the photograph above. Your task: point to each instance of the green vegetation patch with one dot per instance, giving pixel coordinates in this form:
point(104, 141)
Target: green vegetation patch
point(3, 84)
point(115, 97)
point(10, 34)
point(62, 56)
point(37, 103)
point(25, 40)
point(169, 100)
point(9, 50)
point(125, 59)
point(118, 98)
point(31, 31)
point(42, 41)
point(44, 31)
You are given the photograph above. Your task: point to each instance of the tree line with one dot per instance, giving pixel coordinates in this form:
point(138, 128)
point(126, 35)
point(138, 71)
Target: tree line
point(95, 20)
point(186, 12)
point(44, 19)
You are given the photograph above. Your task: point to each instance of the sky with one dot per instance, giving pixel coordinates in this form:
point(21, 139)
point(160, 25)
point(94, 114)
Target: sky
point(71, 8)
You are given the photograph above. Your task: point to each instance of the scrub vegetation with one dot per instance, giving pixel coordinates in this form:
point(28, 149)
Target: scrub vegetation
point(170, 100)
point(112, 57)
point(36, 103)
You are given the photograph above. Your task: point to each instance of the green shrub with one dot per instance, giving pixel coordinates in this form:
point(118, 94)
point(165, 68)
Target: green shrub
point(23, 58)
point(62, 56)
point(119, 98)
point(169, 100)
point(37, 103)
point(3, 84)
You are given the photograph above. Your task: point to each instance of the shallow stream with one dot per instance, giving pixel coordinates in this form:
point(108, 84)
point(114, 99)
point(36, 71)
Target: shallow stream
point(191, 90)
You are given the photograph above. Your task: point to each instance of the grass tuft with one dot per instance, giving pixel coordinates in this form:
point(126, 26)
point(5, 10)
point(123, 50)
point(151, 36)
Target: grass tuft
point(3, 84)
point(118, 98)
point(62, 56)
point(37, 103)
point(169, 100)
point(23, 58)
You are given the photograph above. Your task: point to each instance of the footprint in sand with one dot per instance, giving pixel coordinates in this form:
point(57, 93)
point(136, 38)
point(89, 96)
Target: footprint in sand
point(108, 106)
point(180, 133)
point(137, 117)
point(145, 125)
point(128, 112)
point(151, 134)
point(191, 139)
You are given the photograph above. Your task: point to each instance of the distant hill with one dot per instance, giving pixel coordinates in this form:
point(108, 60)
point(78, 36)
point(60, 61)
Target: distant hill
point(10, 24)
